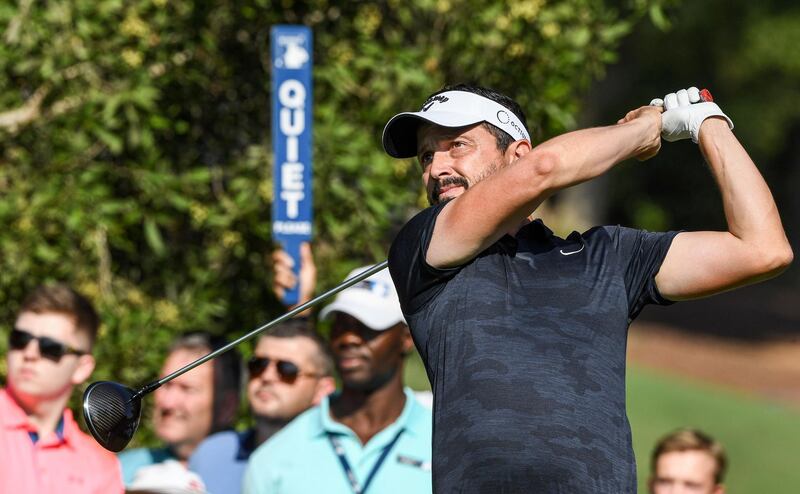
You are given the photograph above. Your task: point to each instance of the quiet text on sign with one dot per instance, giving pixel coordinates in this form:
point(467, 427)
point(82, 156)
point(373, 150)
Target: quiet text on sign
point(292, 97)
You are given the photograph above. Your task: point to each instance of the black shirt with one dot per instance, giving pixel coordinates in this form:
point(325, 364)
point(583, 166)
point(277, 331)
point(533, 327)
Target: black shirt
point(525, 350)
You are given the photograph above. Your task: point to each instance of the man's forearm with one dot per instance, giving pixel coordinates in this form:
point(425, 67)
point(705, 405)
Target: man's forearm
point(750, 210)
point(499, 203)
point(754, 248)
point(588, 153)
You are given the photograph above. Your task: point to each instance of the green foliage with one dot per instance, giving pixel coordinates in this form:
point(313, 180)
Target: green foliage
point(134, 153)
point(746, 54)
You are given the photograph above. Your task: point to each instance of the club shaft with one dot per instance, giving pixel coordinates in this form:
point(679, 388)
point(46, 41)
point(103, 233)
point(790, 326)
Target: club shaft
point(300, 308)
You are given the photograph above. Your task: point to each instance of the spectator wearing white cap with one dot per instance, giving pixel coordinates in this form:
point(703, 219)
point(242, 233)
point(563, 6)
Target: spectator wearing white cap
point(167, 477)
point(372, 435)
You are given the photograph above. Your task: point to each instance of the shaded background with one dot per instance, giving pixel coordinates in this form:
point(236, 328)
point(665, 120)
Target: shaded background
point(135, 163)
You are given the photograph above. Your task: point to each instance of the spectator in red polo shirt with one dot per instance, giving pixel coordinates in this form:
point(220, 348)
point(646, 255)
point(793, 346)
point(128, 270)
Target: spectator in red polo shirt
point(41, 446)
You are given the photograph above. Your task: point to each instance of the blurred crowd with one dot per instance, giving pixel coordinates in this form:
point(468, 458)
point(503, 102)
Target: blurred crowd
point(372, 434)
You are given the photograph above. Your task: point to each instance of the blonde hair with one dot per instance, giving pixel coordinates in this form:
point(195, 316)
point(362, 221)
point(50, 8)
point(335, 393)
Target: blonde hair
point(692, 440)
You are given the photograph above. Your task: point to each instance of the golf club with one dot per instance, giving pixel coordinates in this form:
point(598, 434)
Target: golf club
point(112, 410)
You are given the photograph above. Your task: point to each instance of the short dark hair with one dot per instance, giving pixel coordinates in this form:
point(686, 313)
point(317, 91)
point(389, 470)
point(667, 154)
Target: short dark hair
point(301, 327)
point(692, 440)
point(502, 138)
point(61, 299)
point(227, 371)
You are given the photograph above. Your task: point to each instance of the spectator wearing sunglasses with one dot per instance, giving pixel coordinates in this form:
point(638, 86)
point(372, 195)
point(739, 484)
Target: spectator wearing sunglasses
point(291, 370)
point(49, 353)
point(373, 435)
point(187, 409)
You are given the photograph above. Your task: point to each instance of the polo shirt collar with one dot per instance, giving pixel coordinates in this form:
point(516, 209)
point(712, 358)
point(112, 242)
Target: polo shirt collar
point(404, 421)
point(247, 444)
point(538, 229)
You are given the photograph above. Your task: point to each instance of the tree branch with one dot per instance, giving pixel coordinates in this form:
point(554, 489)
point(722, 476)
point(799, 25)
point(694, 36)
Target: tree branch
point(31, 110)
point(12, 34)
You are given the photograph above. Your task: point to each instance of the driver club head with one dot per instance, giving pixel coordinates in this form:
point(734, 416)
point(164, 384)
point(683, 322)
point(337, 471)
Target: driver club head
point(112, 413)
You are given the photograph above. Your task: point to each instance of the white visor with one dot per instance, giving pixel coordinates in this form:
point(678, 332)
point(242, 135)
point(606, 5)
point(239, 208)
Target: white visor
point(448, 109)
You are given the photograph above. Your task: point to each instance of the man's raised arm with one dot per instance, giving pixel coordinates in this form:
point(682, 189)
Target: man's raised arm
point(499, 201)
point(755, 246)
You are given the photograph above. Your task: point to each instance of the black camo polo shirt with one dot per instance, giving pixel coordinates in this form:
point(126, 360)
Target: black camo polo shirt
point(524, 347)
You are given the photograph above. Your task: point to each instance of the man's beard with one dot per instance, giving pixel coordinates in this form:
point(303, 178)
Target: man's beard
point(433, 196)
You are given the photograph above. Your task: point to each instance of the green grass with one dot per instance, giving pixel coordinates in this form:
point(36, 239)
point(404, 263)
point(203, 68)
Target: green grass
point(762, 438)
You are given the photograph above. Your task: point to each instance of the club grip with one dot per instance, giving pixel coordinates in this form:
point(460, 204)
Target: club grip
point(705, 95)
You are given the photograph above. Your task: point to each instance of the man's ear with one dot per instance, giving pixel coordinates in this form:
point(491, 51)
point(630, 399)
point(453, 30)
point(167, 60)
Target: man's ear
point(325, 386)
point(84, 369)
point(408, 341)
point(517, 150)
point(719, 489)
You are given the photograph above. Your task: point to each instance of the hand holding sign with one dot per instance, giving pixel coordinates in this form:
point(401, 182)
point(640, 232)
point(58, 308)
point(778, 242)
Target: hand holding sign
point(284, 277)
point(291, 141)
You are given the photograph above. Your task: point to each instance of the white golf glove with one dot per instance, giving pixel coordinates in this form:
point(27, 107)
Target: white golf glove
point(685, 111)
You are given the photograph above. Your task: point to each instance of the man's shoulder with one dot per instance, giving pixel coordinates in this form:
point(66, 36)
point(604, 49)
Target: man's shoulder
point(134, 459)
point(412, 230)
point(135, 454)
point(612, 232)
point(421, 418)
point(224, 444)
point(424, 398)
point(9, 409)
point(223, 439)
point(143, 456)
point(300, 431)
point(90, 449)
point(83, 444)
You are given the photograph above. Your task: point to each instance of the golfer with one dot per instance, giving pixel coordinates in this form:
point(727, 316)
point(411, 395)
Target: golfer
point(523, 333)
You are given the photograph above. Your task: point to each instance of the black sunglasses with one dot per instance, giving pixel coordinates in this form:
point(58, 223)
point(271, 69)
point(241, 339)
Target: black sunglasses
point(288, 372)
point(49, 348)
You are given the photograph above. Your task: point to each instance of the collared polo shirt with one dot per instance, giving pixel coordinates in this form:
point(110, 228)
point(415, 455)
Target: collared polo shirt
point(67, 463)
point(220, 460)
point(300, 458)
point(524, 346)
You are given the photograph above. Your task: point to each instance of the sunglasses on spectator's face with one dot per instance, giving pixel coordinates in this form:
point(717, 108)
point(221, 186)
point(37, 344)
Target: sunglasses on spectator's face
point(288, 372)
point(49, 348)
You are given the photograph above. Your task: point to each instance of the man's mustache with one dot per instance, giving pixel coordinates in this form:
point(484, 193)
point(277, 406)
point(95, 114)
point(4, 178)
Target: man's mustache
point(438, 185)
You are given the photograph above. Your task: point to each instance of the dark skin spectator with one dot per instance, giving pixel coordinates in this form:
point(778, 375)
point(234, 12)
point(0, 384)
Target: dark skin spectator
point(373, 432)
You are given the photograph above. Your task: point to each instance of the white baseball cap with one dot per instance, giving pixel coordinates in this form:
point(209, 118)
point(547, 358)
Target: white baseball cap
point(449, 109)
point(167, 477)
point(372, 301)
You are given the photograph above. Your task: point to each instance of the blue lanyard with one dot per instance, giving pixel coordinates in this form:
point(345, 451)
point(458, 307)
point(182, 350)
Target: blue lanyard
point(351, 476)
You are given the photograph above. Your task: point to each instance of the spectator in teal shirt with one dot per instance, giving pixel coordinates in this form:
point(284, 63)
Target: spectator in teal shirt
point(371, 437)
